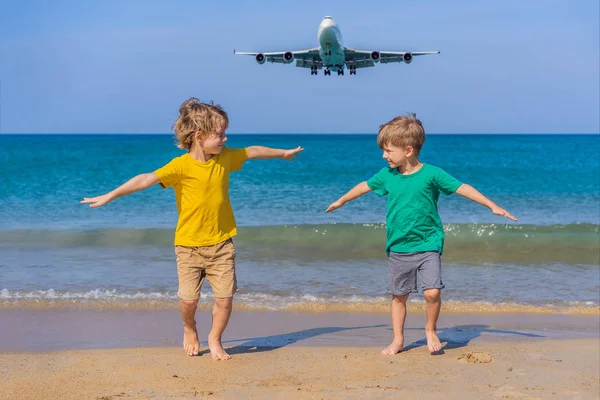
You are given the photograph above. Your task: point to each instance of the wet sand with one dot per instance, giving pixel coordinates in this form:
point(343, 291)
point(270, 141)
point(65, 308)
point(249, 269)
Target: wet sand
point(69, 328)
point(74, 353)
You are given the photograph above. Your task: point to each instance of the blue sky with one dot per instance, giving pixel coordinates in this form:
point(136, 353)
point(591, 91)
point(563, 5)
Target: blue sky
point(125, 66)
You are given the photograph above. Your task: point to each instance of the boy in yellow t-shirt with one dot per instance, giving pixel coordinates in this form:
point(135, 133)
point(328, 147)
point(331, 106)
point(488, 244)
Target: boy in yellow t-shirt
point(203, 244)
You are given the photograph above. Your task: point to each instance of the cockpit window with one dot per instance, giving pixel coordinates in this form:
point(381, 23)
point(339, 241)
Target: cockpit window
point(328, 17)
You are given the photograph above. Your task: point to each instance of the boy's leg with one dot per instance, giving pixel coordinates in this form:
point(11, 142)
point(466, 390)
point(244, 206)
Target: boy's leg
point(402, 281)
point(398, 318)
point(190, 277)
point(220, 272)
point(430, 272)
point(191, 345)
point(220, 318)
point(433, 303)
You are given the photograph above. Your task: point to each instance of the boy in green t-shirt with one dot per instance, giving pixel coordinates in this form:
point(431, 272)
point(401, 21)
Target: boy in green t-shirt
point(415, 235)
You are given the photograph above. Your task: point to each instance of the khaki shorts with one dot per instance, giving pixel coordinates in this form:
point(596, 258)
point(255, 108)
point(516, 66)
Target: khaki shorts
point(215, 263)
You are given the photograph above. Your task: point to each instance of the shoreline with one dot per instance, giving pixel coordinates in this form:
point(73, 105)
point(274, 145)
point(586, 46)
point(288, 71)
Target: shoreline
point(35, 330)
point(375, 306)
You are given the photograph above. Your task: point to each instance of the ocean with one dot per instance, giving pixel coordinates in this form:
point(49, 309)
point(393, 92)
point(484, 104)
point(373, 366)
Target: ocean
point(291, 254)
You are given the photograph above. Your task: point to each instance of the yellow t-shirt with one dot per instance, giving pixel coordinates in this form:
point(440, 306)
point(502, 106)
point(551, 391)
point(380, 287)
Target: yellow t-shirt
point(202, 195)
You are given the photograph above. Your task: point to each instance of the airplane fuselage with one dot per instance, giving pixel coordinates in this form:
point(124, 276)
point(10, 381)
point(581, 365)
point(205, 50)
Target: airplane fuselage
point(331, 44)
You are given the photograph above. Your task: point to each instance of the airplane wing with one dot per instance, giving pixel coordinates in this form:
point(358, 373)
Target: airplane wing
point(368, 58)
point(304, 58)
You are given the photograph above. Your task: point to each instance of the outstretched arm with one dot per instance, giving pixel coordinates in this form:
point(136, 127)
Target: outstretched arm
point(135, 184)
point(473, 194)
point(265, 153)
point(355, 192)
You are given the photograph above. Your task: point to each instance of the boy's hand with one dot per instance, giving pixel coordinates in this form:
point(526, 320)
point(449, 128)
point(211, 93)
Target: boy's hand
point(290, 154)
point(502, 212)
point(96, 201)
point(334, 206)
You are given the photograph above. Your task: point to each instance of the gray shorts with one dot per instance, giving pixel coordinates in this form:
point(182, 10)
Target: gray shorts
point(404, 268)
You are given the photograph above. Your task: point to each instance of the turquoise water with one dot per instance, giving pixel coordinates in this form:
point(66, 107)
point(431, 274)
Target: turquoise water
point(289, 249)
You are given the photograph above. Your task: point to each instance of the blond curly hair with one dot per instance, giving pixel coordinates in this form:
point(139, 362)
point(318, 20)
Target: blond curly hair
point(195, 116)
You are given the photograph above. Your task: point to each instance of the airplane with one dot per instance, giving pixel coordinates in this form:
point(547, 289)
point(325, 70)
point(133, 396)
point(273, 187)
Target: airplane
point(331, 55)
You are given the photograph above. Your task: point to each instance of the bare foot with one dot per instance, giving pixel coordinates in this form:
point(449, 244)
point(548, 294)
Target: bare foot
point(433, 342)
point(216, 350)
point(190, 341)
point(394, 348)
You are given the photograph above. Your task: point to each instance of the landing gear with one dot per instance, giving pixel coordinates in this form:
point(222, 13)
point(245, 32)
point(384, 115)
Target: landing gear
point(313, 70)
point(327, 71)
point(352, 69)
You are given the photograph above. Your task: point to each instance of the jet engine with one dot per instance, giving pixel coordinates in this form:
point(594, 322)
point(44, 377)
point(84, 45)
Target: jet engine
point(260, 58)
point(288, 57)
point(375, 56)
point(407, 57)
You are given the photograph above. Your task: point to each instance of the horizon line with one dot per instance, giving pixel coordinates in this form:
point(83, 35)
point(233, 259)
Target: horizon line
point(302, 133)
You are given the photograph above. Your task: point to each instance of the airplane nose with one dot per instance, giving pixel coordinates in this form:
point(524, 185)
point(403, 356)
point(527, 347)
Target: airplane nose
point(327, 22)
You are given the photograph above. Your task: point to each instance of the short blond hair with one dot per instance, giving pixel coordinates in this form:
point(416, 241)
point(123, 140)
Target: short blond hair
point(195, 116)
point(402, 131)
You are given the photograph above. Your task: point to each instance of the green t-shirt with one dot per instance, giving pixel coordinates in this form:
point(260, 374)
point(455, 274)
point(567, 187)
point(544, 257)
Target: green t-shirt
point(412, 218)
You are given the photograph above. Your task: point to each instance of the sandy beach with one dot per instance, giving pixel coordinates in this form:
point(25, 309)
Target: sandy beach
point(565, 369)
point(78, 353)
